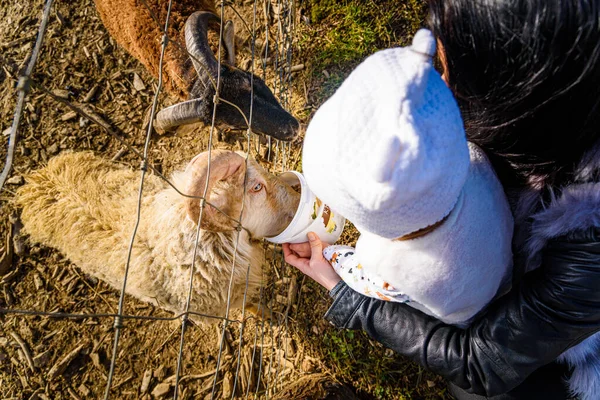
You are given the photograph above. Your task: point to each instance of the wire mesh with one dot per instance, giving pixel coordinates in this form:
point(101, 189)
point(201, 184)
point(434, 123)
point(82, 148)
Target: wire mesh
point(23, 88)
point(267, 378)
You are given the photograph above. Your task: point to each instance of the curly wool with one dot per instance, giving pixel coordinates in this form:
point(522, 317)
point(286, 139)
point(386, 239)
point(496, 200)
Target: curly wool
point(85, 207)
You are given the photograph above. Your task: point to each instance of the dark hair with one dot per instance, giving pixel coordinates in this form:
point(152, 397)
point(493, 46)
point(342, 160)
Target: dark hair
point(526, 74)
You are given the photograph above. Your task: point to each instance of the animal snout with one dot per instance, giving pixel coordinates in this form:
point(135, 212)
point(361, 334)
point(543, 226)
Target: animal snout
point(271, 119)
point(290, 131)
point(282, 127)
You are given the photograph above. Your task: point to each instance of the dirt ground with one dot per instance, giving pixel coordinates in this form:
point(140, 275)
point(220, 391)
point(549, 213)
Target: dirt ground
point(46, 357)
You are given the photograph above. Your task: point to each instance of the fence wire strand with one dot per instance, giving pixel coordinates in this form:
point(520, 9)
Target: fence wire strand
point(283, 44)
point(118, 325)
point(114, 315)
point(230, 286)
point(248, 136)
point(23, 87)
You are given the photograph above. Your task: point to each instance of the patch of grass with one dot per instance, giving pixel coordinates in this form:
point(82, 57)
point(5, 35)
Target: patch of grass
point(347, 31)
point(341, 34)
point(353, 35)
point(376, 371)
point(354, 358)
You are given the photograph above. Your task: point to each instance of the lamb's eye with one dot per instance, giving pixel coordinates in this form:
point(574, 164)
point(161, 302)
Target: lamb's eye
point(257, 188)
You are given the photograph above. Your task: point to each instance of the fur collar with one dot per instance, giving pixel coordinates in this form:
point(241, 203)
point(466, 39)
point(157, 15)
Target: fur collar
point(541, 216)
point(588, 169)
point(576, 208)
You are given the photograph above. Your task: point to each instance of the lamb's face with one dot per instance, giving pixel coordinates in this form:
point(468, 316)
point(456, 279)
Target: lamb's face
point(270, 203)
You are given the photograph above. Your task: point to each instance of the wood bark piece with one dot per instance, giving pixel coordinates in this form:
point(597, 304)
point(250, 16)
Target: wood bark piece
point(84, 390)
point(138, 83)
point(6, 256)
point(146, 381)
point(17, 42)
point(60, 367)
point(297, 68)
point(73, 394)
point(90, 94)
point(15, 180)
point(186, 378)
point(41, 359)
point(25, 350)
point(227, 385)
point(68, 116)
point(62, 93)
point(161, 390)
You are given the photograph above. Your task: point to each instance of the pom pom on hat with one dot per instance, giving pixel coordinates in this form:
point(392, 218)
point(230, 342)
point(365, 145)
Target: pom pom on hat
point(423, 42)
point(388, 149)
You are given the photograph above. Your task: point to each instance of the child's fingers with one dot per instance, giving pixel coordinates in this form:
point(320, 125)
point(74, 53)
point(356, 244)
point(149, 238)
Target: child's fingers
point(301, 249)
point(316, 247)
point(292, 258)
point(286, 247)
point(288, 252)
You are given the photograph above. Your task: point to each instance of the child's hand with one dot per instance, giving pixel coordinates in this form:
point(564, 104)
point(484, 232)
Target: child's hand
point(301, 249)
point(315, 266)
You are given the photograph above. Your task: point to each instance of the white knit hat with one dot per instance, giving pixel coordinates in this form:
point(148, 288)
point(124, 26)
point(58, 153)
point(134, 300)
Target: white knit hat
point(388, 149)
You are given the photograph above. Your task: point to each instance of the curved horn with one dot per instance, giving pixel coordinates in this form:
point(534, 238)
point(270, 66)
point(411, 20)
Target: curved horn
point(224, 164)
point(196, 41)
point(183, 113)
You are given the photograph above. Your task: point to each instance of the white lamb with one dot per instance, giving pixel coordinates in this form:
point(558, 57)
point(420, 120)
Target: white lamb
point(85, 207)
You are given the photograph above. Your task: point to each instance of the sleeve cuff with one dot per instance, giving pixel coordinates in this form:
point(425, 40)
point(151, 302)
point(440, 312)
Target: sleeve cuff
point(345, 304)
point(336, 289)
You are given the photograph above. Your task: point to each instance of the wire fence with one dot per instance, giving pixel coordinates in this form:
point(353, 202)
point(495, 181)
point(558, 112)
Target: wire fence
point(268, 374)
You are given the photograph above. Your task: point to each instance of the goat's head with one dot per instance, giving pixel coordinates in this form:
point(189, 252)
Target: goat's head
point(269, 203)
point(236, 86)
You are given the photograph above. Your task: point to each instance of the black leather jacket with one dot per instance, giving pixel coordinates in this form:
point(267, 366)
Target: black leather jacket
point(552, 309)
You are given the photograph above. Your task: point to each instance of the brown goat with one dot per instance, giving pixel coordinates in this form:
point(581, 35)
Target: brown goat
point(131, 24)
point(193, 78)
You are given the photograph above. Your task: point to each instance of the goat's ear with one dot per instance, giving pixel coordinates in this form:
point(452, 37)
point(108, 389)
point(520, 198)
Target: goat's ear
point(225, 166)
point(229, 42)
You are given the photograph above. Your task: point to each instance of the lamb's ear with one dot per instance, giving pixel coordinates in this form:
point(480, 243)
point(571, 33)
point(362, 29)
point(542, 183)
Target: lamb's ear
point(224, 165)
